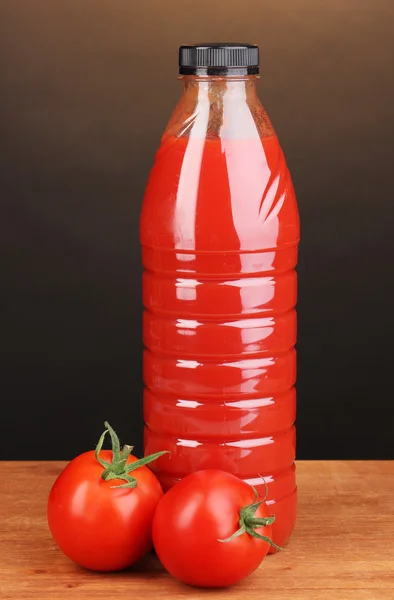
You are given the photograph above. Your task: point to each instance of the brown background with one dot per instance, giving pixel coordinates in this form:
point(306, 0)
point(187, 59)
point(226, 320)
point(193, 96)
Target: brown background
point(86, 87)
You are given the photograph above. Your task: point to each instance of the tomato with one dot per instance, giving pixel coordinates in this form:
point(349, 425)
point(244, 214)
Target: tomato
point(101, 507)
point(210, 530)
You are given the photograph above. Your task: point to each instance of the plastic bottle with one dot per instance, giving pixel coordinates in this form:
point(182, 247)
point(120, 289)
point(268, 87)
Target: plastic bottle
point(219, 236)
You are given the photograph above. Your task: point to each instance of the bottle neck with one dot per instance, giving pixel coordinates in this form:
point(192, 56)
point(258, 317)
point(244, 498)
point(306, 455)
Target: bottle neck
point(219, 107)
point(216, 88)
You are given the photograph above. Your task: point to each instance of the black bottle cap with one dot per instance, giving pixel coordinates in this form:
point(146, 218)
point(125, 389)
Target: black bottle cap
point(219, 59)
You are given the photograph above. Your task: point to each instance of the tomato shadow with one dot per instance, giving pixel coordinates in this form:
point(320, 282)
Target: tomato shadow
point(148, 565)
point(150, 568)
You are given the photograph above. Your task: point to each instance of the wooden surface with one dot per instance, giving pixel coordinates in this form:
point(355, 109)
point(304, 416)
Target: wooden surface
point(342, 547)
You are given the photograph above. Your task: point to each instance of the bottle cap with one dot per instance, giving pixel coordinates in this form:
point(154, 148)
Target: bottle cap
point(219, 59)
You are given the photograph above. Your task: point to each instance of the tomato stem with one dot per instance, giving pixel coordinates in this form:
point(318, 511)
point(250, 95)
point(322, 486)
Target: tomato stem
point(248, 522)
point(117, 468)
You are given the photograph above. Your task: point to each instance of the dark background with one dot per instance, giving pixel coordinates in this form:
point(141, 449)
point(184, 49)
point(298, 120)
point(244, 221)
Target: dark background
point(86, 88)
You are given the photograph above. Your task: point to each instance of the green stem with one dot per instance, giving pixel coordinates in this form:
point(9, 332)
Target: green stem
point(248, 522)
point(118, 468)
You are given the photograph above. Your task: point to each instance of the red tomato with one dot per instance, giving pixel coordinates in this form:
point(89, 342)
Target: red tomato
point(210, 530)
point(100, 509)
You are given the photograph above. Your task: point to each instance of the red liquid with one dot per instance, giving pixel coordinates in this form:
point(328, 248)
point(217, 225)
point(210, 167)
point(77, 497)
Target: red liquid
point(219, 233)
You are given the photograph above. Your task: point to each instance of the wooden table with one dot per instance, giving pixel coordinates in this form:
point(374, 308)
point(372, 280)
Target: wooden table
point(342, 547)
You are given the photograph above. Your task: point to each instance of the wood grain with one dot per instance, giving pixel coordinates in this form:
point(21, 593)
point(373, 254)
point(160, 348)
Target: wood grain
point(342, 547)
